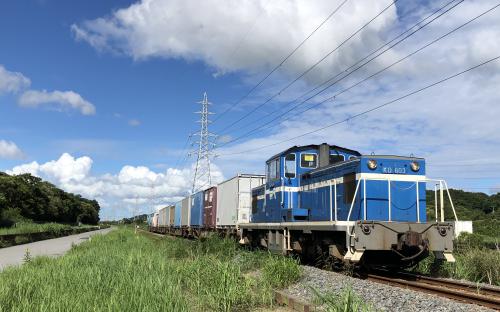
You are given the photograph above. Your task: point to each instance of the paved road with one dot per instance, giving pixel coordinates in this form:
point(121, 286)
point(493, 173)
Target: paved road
point(51, 247)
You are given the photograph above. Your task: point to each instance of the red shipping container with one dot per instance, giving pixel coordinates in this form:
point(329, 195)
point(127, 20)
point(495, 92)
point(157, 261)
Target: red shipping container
point(210, 206)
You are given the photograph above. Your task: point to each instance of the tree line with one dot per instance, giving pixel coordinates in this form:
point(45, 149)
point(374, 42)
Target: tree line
point(468, 205)
point(25, 197)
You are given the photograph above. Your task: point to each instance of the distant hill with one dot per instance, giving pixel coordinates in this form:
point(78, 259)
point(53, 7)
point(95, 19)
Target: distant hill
point(469, 205)
point(26, 197)
point(481, 208)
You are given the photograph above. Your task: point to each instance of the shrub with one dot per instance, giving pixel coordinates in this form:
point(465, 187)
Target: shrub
point(468, 241)
point(21, 239)
point(477, 265)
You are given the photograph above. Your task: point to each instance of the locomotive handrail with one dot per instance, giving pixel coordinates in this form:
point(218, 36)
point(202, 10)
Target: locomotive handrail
point(352, 205)
point(442, 186)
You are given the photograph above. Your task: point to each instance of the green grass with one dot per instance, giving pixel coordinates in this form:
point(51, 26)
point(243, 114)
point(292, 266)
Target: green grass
point(126, 272)
point(345, 301)
point(474, 262)
point(28, 227)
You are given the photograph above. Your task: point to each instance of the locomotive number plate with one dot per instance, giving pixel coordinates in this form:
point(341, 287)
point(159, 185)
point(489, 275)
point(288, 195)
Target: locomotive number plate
point(396, 170)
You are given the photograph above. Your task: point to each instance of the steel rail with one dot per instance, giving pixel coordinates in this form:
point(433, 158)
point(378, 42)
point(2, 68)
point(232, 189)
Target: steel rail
point(465, 292)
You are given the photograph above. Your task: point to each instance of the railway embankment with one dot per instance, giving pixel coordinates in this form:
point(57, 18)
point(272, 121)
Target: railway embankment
point(326, 290)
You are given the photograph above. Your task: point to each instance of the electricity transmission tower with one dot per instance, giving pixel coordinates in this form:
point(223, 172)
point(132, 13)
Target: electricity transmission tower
point(202, 174)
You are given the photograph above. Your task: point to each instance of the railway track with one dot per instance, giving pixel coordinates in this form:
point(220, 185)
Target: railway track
point(465, 292)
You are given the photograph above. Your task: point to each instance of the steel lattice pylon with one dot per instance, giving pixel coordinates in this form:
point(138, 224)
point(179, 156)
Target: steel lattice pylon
point(202, 174)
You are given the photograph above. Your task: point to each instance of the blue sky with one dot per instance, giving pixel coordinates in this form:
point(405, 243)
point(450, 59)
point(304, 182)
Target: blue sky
point(161, 94)
point(143, 65)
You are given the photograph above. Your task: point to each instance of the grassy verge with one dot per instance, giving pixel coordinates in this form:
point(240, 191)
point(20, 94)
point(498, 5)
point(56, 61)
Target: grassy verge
point(475, 262)
point(27, 232)
point(126, 272)
point(28, 227)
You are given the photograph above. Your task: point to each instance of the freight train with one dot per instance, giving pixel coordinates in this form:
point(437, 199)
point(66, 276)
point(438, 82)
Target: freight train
point(318, 200)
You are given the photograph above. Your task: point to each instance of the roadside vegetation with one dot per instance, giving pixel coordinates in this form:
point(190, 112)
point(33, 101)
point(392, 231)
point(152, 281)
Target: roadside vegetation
point(126, 272)
point(27, 232)
point(477, 255)
point(29, 227)
point(474, 262)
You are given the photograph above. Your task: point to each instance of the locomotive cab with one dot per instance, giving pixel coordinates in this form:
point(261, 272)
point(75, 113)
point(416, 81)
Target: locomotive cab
point(279, 196)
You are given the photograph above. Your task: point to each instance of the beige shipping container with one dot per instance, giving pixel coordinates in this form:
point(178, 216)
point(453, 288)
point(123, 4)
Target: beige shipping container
point(171, 215)
point(186, 211)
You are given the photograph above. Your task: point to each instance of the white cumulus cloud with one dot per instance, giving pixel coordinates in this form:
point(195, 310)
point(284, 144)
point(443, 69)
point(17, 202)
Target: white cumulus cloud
point(63, 170)
point(67, 168)
point(12, 82)
point(174, 29)
point(32, 168)
point(117, 193)
point(9, 149)
point(60, 99)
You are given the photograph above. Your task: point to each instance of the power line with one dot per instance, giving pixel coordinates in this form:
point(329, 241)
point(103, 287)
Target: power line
point(373, 108)
point(309, 69)
point(351, 72)
point(282, 61)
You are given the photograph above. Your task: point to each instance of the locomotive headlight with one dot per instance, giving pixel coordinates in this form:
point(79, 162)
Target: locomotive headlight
point(372, 164)
point(415, 166)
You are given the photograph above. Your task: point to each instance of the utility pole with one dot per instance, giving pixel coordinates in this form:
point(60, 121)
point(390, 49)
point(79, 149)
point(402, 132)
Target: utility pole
point(135, 215)
point(202, 174)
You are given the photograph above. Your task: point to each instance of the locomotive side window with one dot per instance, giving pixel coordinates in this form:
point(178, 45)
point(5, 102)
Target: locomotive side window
point(290, 168)
point(349, 187)
point(308, 160)
point(273, 169)
point(336, 158)
point(352, 157)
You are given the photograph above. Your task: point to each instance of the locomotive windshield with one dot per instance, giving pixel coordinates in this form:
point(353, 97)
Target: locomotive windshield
point(273, 169)
point(308, 160)
point(336, 158)
point(290, 166)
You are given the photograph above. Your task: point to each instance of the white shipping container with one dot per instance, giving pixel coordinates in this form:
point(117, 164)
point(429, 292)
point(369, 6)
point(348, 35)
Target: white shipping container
point(162, 216)
point(234, 199)
point(154, 222)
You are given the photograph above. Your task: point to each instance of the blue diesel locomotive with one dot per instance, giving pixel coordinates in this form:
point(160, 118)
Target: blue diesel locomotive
point(326, 199)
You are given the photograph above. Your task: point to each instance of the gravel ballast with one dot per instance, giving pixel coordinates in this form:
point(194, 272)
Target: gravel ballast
point(379, 296)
